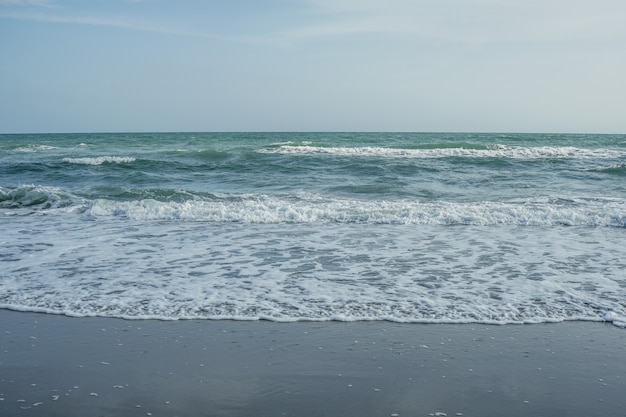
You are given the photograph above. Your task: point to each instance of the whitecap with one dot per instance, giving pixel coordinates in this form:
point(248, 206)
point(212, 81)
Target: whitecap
point(100, 160)
point(495, 151)
point(35, 148)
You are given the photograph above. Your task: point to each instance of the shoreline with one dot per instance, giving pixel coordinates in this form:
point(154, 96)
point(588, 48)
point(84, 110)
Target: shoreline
point(54, 365)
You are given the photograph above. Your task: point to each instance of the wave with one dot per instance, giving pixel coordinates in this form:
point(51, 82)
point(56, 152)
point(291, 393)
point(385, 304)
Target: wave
point(265, 209)
point(618, 169)
point(494, 151)
point(34, 148)
point(317, 209)
point(36, 197)
point(100, 160)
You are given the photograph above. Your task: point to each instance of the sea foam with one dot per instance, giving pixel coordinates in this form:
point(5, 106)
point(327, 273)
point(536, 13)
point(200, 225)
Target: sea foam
point(427, 274)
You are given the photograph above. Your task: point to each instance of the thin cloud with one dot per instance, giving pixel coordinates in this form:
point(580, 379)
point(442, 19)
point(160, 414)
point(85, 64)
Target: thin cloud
point(135, 24)
point(467, 21)
point(116, 22)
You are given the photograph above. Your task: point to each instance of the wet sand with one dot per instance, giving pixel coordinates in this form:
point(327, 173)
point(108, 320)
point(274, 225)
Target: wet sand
point(61, 366)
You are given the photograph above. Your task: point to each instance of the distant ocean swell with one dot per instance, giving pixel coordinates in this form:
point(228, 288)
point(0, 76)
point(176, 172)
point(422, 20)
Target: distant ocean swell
point(418, 151)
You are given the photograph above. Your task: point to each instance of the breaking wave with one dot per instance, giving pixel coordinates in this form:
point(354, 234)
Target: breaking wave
point(272, 210)
point(100, 160)
point(36, 197)
point(495, 151)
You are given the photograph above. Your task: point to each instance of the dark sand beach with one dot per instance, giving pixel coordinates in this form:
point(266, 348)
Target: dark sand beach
point(61, 366)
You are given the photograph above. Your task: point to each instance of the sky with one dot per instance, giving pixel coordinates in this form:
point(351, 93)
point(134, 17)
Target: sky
point(313, 65)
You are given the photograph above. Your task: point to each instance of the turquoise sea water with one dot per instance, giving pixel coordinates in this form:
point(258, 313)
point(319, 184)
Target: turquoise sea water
point(410, 227)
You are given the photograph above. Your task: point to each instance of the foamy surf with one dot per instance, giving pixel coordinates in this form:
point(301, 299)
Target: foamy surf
point(263, 209)
point(319, 209)
point(425, 274)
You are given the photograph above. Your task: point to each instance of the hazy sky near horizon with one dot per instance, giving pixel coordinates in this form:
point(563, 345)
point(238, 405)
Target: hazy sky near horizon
point(313, 65)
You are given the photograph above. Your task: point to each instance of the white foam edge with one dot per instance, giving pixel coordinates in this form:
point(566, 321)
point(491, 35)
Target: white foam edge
point(608, 317)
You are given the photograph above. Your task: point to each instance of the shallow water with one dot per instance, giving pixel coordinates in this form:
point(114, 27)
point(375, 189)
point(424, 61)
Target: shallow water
point(402, 227)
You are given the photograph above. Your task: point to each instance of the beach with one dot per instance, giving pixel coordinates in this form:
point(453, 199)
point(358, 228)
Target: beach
point(54, 365)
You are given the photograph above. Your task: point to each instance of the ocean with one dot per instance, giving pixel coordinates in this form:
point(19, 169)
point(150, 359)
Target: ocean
point(405, 227)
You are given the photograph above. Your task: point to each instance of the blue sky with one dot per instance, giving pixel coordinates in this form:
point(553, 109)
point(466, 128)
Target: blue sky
point(313, 65)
